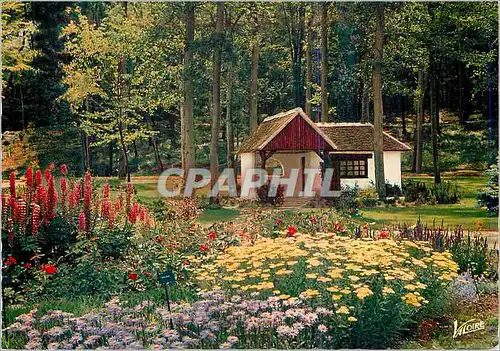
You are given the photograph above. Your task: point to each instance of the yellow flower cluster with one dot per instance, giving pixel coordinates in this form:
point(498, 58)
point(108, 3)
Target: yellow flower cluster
point(331, 268)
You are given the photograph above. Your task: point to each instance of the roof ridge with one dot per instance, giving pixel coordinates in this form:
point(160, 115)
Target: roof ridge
point(282, 114)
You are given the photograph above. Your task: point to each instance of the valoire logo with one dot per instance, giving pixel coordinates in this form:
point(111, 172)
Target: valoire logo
point(468, 327)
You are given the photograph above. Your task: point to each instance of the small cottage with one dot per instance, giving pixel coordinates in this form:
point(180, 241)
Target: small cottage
point(291, 140)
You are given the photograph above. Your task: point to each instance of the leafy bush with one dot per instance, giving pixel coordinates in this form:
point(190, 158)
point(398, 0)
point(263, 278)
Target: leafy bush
point(489, 197)
point(347, 202)
point(392, 190)
point(276, 200)
point(367, 197)
point(45, 237)
point(415, 191)
point(443, 193)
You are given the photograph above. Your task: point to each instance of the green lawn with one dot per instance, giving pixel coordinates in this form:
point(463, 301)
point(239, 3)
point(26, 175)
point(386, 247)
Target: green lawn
point(213, 214)
point(465, 213)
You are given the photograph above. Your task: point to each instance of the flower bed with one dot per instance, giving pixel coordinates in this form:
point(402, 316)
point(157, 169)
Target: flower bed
point(298, 292)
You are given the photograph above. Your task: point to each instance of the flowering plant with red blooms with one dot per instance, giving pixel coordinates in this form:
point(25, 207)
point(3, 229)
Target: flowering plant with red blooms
point(292, 230)
point(27, 265)
point(383, 234)
point(203, 248)
point(10, 261)
point(133, 276)
point(313, 220)
point(49, 268)
point(212, 235)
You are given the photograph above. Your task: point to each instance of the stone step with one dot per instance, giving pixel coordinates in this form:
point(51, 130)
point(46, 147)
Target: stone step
point(296, 202)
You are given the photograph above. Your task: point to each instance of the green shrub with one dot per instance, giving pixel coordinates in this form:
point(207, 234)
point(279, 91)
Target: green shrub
point(415, 191)
point(489, 197)
point(442, 193)
point(367, 197)
point(392, 190)
point(445, 193)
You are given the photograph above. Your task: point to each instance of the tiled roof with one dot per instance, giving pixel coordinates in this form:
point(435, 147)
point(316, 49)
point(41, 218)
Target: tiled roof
point(358, 137)
point(341, 136)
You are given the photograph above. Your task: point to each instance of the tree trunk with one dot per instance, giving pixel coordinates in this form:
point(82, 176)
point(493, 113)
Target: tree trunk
point(87, 142)
point(309, 65)
point(378, 109)
point(297, 64)
point(229, 117)
point(187, 123)
point(324, 62)
point(365, 104)
point(403, 115)
point(136, 153)
point(154, 144)
point(22, 106)
point(214, 142)
point(420, 95)
point(435, 122)
point(253, 86)
point(124, 149)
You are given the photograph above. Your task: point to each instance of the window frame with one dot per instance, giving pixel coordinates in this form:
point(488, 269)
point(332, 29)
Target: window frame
point(355, 160)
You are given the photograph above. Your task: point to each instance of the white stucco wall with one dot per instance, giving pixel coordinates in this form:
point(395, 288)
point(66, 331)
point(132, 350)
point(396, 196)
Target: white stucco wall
point(392, 167)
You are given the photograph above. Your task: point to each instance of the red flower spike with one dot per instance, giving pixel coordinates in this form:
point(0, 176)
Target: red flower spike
point(81, 221)
point(105, 194)
point(133, 276)
point(35, 219)
point(12, 184)
point(29, 178)
point(63, 169)
point(87, 198)
point(10, 230)
point(38, 178)
point(51, 199)
point(47, 174)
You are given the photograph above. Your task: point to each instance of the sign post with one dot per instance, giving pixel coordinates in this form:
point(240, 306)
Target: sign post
point(167, 278)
